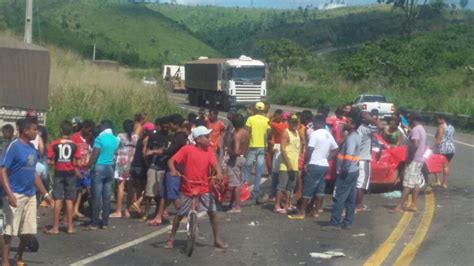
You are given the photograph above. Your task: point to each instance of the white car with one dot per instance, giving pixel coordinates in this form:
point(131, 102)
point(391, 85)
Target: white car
point(375, 102)
point(149, 81)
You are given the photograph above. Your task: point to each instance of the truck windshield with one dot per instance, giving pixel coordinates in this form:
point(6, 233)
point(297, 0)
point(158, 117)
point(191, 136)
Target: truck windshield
point(247, 74)
point(374, 98)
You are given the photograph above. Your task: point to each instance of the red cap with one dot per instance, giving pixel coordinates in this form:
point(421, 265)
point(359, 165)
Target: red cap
point(148, 126)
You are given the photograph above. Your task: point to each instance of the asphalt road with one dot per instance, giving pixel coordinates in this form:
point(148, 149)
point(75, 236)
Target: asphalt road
point(258, 236)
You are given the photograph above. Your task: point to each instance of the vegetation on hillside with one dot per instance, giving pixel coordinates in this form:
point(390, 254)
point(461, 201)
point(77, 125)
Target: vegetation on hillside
point(78, 87)
point(433, 71)
point(234, 31)
point(131, 34)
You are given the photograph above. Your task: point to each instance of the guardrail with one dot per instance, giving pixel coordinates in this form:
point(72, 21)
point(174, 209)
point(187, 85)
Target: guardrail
point(457, 120)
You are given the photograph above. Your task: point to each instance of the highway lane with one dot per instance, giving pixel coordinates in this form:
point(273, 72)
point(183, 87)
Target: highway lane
point(258, 236)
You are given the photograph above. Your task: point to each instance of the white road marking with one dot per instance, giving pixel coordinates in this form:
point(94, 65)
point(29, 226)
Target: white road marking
point(457, 141)
point(137, 241)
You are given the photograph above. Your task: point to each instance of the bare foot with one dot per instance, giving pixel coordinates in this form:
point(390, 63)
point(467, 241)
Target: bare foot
point(169, 244)
point(411, 208)
point(445, 185)
point(71, 231)
point(219, 244)
point(126, 214)
point(78, 215)
point(396, 210)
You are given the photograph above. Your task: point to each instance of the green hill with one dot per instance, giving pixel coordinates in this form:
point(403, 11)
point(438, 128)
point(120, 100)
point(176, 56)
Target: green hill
point(131, 34)
point(237, 30)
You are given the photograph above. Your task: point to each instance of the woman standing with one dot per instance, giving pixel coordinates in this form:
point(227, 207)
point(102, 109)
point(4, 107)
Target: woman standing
point(444, 144)
point(125, 152)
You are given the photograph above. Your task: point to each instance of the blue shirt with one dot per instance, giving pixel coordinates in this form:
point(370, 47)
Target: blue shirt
point(20, 162)
point(108, 145)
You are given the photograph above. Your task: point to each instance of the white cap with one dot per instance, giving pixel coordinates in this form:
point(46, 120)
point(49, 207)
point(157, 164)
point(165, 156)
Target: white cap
point(200, 131)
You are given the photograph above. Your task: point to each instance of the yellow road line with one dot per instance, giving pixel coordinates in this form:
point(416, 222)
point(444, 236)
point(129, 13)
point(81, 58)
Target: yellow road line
point(384, 250)
point(410, 250)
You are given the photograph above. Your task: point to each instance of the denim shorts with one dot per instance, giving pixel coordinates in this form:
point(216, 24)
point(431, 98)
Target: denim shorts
point(314, 183)
point(171, 187)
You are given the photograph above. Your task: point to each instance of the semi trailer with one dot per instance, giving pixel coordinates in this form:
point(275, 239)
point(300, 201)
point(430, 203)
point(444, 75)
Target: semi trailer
point(225, 82)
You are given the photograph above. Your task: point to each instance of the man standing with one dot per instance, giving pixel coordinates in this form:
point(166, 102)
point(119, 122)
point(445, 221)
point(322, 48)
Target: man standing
point(198, 161)
point(413, 177)
point(218, 130)
point(278, 126)
point(290, 152)
point(258, 128)
point(347, 173)
point(171, 183)
point(105, 146)
point(363, 181)
point(238, 147)
point(156, 144)
point(83, 141)
point(20, 181)
point(321, 148)
point(63, 155)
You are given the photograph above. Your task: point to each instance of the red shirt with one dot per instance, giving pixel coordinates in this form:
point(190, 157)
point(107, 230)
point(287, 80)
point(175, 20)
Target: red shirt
point(83, 147)
point(196, 163)
point(63, 152)
point(278, 129)
point(217, 127)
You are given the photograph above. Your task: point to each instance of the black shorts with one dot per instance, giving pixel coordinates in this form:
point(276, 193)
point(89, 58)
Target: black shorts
point(64, 186)
point(449, 156)
point(138, 173)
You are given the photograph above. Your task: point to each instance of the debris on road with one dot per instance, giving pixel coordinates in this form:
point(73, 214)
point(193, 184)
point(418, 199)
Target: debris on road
point(358, 235)
point(392, 195)
point(328, 254)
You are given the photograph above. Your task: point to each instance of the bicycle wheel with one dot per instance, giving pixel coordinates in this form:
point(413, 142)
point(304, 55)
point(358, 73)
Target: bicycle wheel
point(192, 231)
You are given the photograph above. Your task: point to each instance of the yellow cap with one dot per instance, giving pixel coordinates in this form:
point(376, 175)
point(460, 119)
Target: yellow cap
point(294, 118)
point(260, 106)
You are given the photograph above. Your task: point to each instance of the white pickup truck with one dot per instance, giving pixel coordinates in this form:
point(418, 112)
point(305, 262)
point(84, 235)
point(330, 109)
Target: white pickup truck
point(377, 102)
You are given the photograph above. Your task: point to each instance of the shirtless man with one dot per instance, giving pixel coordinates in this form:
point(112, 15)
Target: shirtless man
point(238, 147)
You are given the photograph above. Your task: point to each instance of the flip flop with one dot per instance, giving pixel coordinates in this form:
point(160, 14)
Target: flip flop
point(281, 211)
point(153, 223)
point(234, 211)
point(296, 217)
point(18, 262)
point(50, 232)
point(114, 215)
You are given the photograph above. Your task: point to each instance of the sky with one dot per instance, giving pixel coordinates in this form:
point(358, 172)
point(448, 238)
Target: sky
point(285, 4)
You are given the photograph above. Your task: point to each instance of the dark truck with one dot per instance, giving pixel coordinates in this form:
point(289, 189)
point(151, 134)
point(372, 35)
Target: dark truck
point(225, 82)
point(24, 80)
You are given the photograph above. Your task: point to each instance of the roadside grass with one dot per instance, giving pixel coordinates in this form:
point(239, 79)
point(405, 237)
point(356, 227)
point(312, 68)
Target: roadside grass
point(79, 88)
point(452, 91)
point(129, 33)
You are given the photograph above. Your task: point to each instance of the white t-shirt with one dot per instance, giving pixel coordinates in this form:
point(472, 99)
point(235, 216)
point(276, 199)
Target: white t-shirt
point(323, 143)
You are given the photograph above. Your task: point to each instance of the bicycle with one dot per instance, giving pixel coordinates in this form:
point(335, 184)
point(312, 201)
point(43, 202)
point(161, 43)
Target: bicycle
point(192, 217)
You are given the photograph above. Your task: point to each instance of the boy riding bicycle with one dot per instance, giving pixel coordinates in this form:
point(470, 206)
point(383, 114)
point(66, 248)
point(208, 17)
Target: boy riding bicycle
point(197, 162)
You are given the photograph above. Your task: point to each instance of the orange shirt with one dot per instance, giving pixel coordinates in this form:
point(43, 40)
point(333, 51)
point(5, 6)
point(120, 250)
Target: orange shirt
point(277, 130)
point(217, 128)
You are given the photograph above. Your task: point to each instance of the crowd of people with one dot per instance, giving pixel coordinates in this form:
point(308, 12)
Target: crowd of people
point(172, 159)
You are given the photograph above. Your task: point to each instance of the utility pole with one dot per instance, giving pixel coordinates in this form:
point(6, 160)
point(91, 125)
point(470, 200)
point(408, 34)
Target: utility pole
point(93, 54)
point(29, 21)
